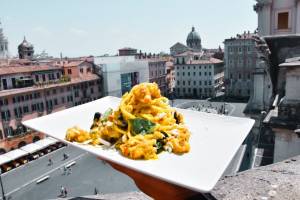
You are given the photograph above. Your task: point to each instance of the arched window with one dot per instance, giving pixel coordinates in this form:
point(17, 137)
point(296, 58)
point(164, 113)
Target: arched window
point(36, 138)
point(21, 144)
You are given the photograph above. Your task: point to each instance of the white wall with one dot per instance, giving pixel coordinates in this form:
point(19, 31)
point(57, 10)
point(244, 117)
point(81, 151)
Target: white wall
point(114, 66)
point(287, 145)
point(292, 85)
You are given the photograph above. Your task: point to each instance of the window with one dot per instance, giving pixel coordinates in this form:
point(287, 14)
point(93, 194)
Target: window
point(199, 73)
point(205, 82)
point(81, 71)
point(183, 82)
point(55, 102)
point(92, 90)
point(231, 76)
point(200, 82)
point(44, 77)
point(57, 75)
point(209, 73)
point(182, 73)
point(189, 82)
point(205, 73)
point(178, 83)
point(33, 107)
point(54, 91)
point(49, 77)
point(25, 109)
point(189, 89)
point(177, 73)
point(283, 20)
point(209, 83)
point(37, 78)
point(194, 73)
point(63, 100)
point(189, 73)
point(69, 71)
point(194, 82)
point(240, 76)
point(76, 93)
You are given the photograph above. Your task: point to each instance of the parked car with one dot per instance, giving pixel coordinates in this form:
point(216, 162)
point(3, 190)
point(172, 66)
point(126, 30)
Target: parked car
point(6, 167)
point(23, 160)
point(15, 163)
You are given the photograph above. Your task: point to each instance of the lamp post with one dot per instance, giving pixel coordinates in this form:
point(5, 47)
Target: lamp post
point(2, 190)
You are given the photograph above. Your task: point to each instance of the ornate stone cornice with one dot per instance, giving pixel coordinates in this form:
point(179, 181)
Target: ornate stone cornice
point(260, 4)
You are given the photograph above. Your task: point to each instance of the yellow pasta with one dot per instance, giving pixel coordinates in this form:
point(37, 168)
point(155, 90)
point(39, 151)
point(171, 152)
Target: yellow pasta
point(140, 128)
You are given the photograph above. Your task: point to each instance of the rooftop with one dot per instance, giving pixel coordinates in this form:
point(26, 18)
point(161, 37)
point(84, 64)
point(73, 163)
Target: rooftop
point(244, 36)
point(5, 70)
point(88, 77)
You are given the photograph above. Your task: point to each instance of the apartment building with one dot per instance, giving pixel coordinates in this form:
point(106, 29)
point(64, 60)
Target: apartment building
point(29, 91)
point(197, 77)
point(240, 62)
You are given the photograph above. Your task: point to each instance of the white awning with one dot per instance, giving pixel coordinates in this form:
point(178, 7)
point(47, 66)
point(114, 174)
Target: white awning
point(31, 148)
point(15, 154)
point(4, 159)
point(55, 140)
point(45, 142)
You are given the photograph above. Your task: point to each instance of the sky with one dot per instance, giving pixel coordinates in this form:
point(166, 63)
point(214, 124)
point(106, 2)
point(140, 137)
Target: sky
point(97, 27)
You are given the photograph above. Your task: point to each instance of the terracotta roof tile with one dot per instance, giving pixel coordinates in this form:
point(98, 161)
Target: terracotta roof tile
point(88, 77)
point(4, 70)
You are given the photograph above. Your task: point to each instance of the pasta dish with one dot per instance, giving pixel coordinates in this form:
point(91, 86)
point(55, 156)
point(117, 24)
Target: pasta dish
point(140, 128)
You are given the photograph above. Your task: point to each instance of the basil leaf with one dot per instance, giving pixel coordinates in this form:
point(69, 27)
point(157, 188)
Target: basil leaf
point(142, 126)
point(106, 114)
point(159, 146)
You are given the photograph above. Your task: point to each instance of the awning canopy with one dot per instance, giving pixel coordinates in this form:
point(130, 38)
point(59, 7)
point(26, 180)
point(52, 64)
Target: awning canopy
point(45, 142)
point(4, 159)
point(55, 140)
point(31, 148)
point(15, 154)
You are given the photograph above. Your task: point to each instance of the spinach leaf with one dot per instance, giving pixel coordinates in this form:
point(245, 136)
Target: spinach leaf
point(159, 145)
point(142, 126)
point(106, 114)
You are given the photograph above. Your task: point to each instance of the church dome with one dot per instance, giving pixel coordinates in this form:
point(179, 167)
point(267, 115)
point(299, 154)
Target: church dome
point(193, 40)
point(193, 36)
point(25, 44)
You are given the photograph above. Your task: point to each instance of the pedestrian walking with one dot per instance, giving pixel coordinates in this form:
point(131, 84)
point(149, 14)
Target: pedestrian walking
point(66, 156)
point(95, 191)
point(62, 191)
point(50, 162)
point(65, 192)
point(69, 170)
point(65, 170)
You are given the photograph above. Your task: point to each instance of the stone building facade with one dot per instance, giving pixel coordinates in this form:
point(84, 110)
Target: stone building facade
point(196, 77)
point(277, 17)
point(29, 91)
point(240, 62)
point(157, 73)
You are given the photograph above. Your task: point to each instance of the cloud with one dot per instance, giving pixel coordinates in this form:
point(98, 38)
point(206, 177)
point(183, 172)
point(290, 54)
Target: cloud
point(41, 30)
point(78, 32)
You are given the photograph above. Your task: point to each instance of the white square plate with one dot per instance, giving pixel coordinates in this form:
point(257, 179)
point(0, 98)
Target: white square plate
point(214, 141)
